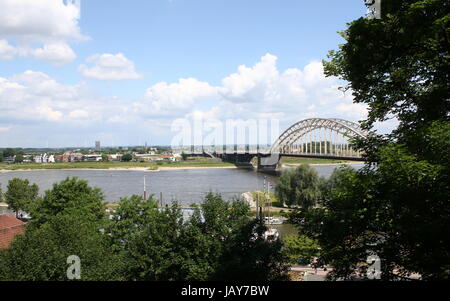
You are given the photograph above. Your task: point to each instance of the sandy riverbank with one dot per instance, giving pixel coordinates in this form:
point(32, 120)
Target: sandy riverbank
point(126, 169)
point(196, 167)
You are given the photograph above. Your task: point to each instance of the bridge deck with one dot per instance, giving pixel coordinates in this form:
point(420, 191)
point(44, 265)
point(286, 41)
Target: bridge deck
point(313, 156)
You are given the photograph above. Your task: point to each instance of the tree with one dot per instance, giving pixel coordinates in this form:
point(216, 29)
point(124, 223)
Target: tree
point(69, 220)
point(132, 214)
point(214, 225)
point(19, 158)
point(341, 224)
point(248, 256)
point(1, 194)
point(300, 249)
point(105, 158)
point(299, 187)
point(232, 245)
point(8, 152)
point(21, 195)
point(127, 158)
point(41, 253)
point(184, 156)
point(398, 65)
point(69, 194)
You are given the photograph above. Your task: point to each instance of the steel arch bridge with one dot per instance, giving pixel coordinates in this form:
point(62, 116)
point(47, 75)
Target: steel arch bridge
point(327, 137)
point(310, 138)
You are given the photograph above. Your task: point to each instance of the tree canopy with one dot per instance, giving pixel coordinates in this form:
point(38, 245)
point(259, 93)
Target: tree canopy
point(299, 187)
point(21, 195)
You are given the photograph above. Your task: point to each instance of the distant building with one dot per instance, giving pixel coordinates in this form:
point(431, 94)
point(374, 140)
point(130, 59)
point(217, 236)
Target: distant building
point(9, 228)
point(97, 146)
point(9, 160)
point(93, 158)
point(116, 157)
point(166, 158)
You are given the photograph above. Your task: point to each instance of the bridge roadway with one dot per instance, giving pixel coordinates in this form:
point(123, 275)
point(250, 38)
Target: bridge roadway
point(266, 161)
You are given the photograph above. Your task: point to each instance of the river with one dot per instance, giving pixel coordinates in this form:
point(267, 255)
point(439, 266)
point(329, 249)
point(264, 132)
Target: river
point(186, 186)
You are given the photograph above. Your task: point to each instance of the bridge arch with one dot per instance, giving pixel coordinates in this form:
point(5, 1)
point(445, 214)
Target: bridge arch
point(326, 142)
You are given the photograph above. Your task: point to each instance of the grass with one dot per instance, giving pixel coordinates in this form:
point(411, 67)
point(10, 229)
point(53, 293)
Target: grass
point(194, 162)
point(79, 165)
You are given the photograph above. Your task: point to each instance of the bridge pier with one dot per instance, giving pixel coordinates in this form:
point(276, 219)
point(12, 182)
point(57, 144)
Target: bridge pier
point(268, 163)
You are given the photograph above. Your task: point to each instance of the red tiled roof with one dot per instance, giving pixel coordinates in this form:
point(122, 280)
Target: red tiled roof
point(9, 228)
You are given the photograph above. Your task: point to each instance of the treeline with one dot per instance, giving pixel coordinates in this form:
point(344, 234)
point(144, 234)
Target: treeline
point(139, 241)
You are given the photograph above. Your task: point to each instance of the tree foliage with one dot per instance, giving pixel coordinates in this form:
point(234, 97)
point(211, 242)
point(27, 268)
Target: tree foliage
point(71, 193)
point(127, 157)
point(8, 152)
point(300, 249)
point(41, 254)
point(398, 65)
point(140, 241)
point(160, 244)
point(21, 195)
point(299, 187)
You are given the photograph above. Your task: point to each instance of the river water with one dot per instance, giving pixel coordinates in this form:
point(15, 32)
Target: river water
point(186, 186)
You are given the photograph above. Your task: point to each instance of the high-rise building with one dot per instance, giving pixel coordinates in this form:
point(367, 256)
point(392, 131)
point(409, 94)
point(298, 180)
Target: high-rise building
point(97, 146)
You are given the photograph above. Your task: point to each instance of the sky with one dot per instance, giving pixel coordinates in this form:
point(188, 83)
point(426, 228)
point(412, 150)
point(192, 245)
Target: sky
point(122, 72)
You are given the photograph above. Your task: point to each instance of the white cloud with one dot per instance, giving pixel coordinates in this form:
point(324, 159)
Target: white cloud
point(34, 96)
point(7, 51)
point(40, 19)
point(57, 54)
point(40, 28)
point(79, 114)
point(262, 91)
point(175, 99)
point(109, 67)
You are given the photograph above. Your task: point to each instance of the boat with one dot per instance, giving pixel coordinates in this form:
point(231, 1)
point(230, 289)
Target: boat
point(272, 220)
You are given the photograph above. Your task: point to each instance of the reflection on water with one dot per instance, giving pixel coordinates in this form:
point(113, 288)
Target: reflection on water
point(285, 229)
point(186, 186)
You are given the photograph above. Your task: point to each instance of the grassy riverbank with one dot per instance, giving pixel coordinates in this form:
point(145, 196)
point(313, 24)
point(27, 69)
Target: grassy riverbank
point(194, 162)
point(79, 165)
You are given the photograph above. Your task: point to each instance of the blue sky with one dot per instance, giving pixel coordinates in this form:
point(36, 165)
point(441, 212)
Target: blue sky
point(119, 70)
